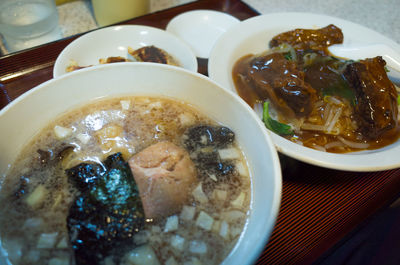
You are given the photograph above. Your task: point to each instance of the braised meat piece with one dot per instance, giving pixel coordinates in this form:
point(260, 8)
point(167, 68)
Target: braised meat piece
point(113, 59)
point(275, 78)
point(375, 110)
point(152, 54)
point(304, 40)
point(164, 174)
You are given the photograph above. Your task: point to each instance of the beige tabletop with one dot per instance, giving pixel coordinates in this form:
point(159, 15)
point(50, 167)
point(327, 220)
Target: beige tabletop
point(381, 16)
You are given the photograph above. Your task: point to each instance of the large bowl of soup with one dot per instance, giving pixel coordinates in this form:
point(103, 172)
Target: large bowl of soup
point(135, 163)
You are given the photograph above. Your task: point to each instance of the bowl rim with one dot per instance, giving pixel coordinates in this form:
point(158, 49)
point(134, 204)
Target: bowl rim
point(58, 71)
point(253, 248)
point(363, 161)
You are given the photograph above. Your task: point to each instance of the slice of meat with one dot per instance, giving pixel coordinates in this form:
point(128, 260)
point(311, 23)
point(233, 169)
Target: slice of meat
point(164, 174)
point(152, 54)
point(274, 77)
point(376, 109)
point(303, 40)
point(113, 59)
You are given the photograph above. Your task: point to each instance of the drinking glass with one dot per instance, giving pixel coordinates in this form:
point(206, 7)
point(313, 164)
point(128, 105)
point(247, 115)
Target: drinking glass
point(27, 23)
point(109, 12)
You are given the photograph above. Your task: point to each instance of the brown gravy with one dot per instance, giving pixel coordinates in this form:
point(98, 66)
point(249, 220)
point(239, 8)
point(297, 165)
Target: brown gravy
point(332, 104)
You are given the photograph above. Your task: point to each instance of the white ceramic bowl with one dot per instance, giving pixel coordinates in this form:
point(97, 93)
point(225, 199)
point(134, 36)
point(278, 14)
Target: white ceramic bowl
point(201, 29)
point(253, 35)
point(25, 116)
point(115, 40)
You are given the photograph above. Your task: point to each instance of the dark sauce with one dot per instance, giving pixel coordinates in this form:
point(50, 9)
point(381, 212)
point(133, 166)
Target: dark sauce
point(298, 89)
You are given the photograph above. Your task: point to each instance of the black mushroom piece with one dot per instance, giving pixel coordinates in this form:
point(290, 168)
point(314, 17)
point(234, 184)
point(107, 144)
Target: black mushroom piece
point(277, 79)
point(205, 135)
point(306, 40)
point(203, 143)
point(107, 213)
point(376, 109)
point(56, 155)
point(45, 158)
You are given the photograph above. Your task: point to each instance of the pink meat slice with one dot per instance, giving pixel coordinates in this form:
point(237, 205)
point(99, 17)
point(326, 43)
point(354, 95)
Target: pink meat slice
point(164, 174)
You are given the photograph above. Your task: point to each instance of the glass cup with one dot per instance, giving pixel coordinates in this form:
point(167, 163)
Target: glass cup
point(109, 12)
point(27, 23)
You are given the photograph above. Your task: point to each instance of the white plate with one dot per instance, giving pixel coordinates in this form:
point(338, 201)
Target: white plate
point(201, 29)
point(114, 41)
point(253, 36)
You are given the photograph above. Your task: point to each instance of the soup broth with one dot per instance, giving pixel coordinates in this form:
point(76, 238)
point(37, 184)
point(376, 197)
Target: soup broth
point(196, 225)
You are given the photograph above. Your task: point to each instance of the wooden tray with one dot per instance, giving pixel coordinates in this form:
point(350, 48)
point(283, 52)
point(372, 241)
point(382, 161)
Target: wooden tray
point(319, 206)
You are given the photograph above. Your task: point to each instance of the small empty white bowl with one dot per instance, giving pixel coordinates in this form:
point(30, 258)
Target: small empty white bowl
point(201, 29)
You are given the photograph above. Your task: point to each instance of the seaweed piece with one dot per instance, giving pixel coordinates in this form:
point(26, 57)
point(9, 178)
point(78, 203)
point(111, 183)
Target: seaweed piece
point(107, 213)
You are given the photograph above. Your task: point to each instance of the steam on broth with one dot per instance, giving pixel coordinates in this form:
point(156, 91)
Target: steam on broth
point(133, 180)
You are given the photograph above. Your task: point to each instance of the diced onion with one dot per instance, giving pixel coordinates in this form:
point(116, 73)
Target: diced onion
point(177, 242)
point(229, 154)
point(186, 119)
point(235, 232)
point(224, 230)
point(63, 243)
point(241, 169)
point(171, 224)
point(171, 261)
point(220, 195)
point(198, 247)
point(47, 240)
point(187, 213)
point(37, 197)
point(216, 226)
point(203, 139)
point(238, 202)
point(232, 216)
point(62, 132)
point(33, 222)
point(143, 255)
point(84, 138)
point(199, 195)
point(142, 237)
point(125, 104)
point(204, 221)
